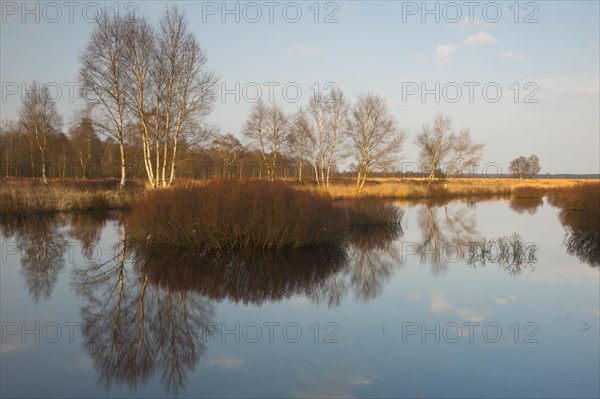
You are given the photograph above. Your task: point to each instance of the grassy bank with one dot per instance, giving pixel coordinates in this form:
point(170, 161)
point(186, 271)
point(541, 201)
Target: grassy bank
point(29, 196)
point(416, 189)
point(21, 197)
point(225, 214)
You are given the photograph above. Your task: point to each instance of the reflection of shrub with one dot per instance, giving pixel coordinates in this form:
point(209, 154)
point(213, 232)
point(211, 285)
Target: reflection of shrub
point(374, 238)
point(584, 245)
point(247, 276)
point(370, 212)
point(580, 214)
point(529, 205)
point(241, 214)
point(529, 192)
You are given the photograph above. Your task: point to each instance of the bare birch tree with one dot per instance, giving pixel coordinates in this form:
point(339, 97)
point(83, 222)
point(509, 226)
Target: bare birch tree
point(318, 118)
point(102, 78)
point(444, 152)
point(140, 55)
point(39, 118)
point(185, 88)
point(338, 113)
point(299, 139)
point(328, 113)
point(375, 140)
point(266, 128)
point(157, 78)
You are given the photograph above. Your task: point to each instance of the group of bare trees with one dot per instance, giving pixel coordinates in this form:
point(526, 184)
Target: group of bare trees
point(314, 133)
point(330, 128)
point(444, 152)
point(325, 131)
point(148, 90)
point(155, 79)
point(317, 132)
point(522, 167)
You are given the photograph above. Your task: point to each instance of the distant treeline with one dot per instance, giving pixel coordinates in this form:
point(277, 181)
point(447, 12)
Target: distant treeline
point(82, 153)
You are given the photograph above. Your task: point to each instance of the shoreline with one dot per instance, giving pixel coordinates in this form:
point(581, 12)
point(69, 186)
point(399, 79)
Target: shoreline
point(28, 196)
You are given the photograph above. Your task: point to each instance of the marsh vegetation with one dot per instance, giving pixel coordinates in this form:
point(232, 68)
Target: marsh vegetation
point(251, 214)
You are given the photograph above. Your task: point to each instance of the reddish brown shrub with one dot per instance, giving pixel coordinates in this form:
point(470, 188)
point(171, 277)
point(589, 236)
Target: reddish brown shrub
point(237, 214)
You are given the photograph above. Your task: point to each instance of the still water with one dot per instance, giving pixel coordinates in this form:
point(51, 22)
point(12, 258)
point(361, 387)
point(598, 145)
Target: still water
point(486, 299)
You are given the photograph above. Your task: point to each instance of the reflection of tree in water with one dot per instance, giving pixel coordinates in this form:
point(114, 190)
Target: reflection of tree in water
point(444, 232)
point(42, 245)
point(584, 245)
point(450, 235)
point(147, 308)
point(510, 253)
point(134, 329)
point(332, 289)
point(529, 205)
point(582, 224)
point(42, 242)
point(371, 262)
point(86, 229)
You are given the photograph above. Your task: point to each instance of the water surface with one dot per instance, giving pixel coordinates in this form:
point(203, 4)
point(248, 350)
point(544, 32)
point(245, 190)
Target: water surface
point(489, 299)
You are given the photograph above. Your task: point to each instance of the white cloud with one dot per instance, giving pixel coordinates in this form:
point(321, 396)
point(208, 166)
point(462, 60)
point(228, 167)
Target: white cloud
point(325, 383)
point(439, 303)
point(443, 53)
point(471, 315)
point(300, 49)
point(479, 38)
point(418, 57)
point(504, 301)
point(512, 56)
point(230, 364)
point(361, 381)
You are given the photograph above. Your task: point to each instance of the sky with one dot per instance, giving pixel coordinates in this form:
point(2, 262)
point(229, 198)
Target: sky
point(522, 76)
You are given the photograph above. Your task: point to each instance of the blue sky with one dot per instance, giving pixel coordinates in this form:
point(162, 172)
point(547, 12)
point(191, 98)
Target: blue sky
point(395, 49)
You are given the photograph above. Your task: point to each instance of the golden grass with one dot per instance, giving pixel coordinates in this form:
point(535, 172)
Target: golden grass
point(19, 197)
point(416, 188)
